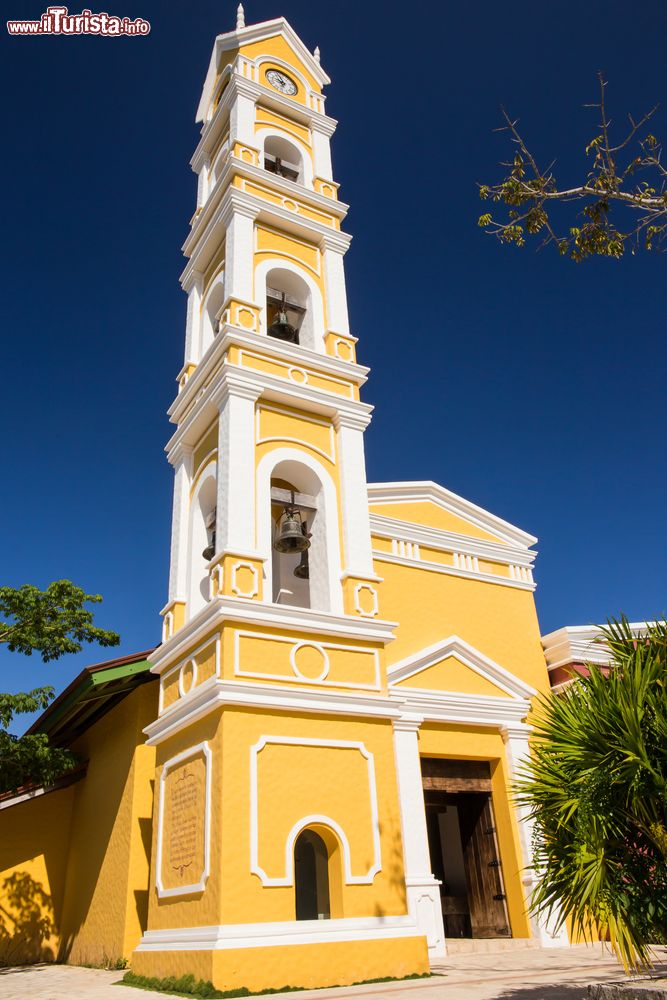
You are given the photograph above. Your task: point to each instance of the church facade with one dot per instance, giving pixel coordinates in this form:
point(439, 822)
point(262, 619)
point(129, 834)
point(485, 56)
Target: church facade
point(308, 782)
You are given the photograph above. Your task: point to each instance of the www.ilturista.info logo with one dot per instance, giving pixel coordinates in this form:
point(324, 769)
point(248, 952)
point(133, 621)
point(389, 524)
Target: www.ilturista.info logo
point(58, 21)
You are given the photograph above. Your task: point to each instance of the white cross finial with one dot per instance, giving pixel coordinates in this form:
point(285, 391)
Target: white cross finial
point(316, 53)
point(240, 17)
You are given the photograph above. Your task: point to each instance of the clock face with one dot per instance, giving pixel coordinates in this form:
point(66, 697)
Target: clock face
point(279, 81)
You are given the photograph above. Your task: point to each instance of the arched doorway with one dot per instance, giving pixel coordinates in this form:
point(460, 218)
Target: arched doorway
point(311, 877)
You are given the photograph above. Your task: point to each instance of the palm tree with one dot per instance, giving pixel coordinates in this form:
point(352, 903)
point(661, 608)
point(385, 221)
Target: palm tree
point(596, 788)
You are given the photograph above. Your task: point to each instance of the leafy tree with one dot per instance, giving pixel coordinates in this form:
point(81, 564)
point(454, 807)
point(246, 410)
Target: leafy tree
point(623, 192)
point(596, 787)
point(51, 622)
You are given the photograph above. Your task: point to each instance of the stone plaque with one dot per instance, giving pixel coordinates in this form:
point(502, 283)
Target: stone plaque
point(183, 854)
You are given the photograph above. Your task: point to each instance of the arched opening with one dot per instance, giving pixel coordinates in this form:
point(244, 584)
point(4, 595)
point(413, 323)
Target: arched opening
point(283, 158)
point(300, 578)
point(202, 536)
point(311, 877)
point(219, 165)
point(289, 308)
point(210, 314)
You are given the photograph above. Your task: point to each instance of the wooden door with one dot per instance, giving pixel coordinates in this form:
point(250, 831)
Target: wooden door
point(486, 897)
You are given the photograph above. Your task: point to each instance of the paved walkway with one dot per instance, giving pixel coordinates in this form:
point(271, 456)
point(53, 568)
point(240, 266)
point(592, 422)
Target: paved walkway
point(531, 974)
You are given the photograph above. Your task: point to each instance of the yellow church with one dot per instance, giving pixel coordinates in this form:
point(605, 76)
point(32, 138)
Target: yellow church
point(308, 782)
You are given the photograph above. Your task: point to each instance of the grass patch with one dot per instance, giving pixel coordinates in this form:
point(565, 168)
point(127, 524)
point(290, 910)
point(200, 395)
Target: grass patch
point(188, 986)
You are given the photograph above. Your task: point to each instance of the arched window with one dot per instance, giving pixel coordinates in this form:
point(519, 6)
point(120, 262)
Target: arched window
point(202, 515)
point(212, 305)
point(283, 158)
point(289, 298)
point(311, 877)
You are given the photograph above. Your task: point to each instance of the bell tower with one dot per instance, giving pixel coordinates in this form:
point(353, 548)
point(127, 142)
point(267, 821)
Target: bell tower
point(274, 736)
point(268, 414)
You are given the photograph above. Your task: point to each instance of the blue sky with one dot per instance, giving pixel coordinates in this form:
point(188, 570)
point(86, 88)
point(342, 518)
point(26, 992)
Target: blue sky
point(531, 385)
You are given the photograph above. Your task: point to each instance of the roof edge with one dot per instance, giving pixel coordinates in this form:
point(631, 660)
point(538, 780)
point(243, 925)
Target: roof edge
point(452, 502)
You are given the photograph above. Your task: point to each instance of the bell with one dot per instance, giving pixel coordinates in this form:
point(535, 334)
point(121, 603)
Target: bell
point(209, 551)
point(281, 328)
point(291, 537)
point(302, 571)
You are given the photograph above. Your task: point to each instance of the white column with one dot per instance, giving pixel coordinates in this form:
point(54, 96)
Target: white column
point(422, 889)
point(333, 250)
point(517, 750)
point(235, 523)
point(193, 318)
point(322, 152)
point(358, 558)
point(239, 253)
point(242, 118)
point(181, 459)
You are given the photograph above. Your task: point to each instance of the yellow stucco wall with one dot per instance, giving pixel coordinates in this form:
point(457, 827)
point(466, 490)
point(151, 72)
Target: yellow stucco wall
point(107, 862)
point(500, 621)
point(33, 853)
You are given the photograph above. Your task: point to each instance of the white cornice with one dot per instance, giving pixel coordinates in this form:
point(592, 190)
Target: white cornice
point(467, 574)
point(466, 709)
point(581, 644)
point(279, 185)
point(197, 243)
point(271, 697)
point(428, 491)
point(293, 354)
point(271, 388)
point(450, 541)
point(466, 654)
point(221, 610)
point(256, 33)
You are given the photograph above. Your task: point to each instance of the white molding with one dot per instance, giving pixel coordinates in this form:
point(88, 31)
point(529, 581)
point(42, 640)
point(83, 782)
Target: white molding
point(581, 644)
point(411, 492)
point(200, 885)
point(463, 709)
point(296, 644)
point(278, 934)
point(271, 697)
point(181, 686)
point(357, 604)
point(243, 564)
point(466, 654)
point(288, 878)
point(450, 541)
point(467, 574)
point(222, 609)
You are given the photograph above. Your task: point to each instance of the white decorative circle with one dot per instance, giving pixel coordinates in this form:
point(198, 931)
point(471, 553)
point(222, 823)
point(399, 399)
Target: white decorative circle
point(290, 205)
point(325, 661)
point(182, 690)
point(298, 375)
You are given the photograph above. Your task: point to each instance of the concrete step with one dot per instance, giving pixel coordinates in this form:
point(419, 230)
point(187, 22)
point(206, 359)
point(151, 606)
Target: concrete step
point(475, 946)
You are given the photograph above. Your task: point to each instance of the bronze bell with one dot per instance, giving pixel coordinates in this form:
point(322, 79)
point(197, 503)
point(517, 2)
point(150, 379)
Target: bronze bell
point(281, 328)
point(291, 536)
point(209, 551)
point(302, 570)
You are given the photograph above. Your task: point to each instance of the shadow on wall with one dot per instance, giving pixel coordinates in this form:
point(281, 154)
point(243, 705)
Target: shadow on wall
point(392, 856)
point(26, 921)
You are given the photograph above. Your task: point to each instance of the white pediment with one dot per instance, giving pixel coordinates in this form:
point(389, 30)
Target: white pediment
point(470, 657)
